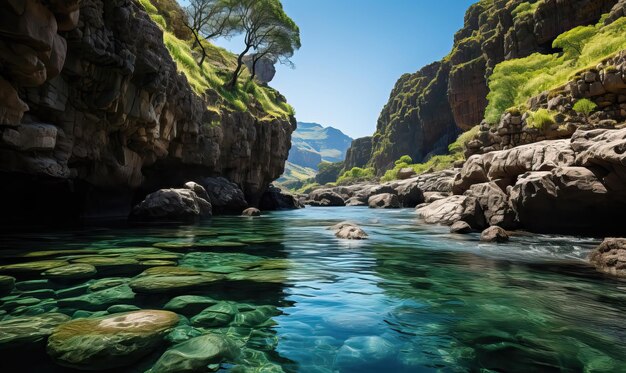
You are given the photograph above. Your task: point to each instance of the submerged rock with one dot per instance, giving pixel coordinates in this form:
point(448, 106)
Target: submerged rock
point(172, 204)
point(111, 341)
point(610, 257)
point(30, 329)
point(31, 268)
point(349, 231)
point(7, 284)
point(385, 201)
point(100, 299)
point(195, 354)
point(494, 234)
point(251, 212)
point(71, 272)
point(172, 279)
point(218, 315)
point(189, 305)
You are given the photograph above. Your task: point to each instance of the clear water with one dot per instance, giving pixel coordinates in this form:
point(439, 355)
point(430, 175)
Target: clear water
point(412, 298)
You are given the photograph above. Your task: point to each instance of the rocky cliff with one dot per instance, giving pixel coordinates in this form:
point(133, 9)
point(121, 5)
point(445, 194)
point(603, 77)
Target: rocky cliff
point(427, 109)
point(95, 113)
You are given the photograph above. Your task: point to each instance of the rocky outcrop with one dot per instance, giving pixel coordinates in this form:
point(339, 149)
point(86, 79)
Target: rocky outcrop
point(359, 153)
point(264, 69)
point(384, 201)
point(226, 197)
point(325, 198)
point(174, 205)
point(610, 257)
point(94, 113)
point(453, 209)
point(570, 186)
point(277, 199)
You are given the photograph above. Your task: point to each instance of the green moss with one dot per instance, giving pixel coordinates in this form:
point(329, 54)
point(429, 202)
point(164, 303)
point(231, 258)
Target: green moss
point(356, 174)
point(540, 119)
point(515, 81)
point(585, 106)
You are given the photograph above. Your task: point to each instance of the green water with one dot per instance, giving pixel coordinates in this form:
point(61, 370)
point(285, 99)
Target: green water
point(412, 298)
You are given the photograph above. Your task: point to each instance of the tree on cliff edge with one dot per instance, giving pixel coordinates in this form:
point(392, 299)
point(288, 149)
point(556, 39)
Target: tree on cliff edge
point(210, 19)
point(266, 29)
point(279, 47)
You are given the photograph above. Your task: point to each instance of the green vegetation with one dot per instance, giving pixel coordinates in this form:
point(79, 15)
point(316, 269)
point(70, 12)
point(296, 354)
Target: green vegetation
point(436, 163)
point(515, 81)
point(585, 107)
point(355, 175)
point(525, 9)
point(328, 172)
point(540, 119)
point(213, 74)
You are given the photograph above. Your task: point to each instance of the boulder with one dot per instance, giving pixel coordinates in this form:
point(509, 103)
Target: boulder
point(430, 197)
point(406, 173)
point(172, 204)
point(251, 211)
point(409, 192)
point(264, 69)
point(610, 257)
point(196, 354)
point(277, 199)
point(19, 331)
point(218, 315)
point(494, 234)
point(189, 305)
point(356, 201)
point(111, 341)
point(198, 189)
point(494, 203)
point(158, 280)
point(325, 198)
point(100, 299)
point(460, 227)
point(225, 197)
point(449, 210)
point(385, 201)
point(348, 231)
point(71, 272)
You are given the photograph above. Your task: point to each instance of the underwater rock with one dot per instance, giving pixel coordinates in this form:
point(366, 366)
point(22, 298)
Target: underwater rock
point(111, 265)
point(24, 330)
point(189, 305)
point(494, 234)
point(172, 279)
point(121, 308)
point(71, 272)
point(110, 341)
point(99, 300)
point(251, 212)
point(364, 350)
point(7, 283)
point(31, 268)
point(195, 354)
point(220, 314)
point(277, 276)
point(349, 231)
point(610, 257)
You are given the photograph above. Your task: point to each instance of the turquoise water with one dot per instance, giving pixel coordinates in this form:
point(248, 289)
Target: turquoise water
point(411, 298)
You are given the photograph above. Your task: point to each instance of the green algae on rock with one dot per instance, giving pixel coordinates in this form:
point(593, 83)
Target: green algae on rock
point(172, 279)
point(195, 354)
point(218, 315)
point(100, 299)
point(7, 284)
point(71, 272)
point(110, 341)
point(24, 330)
point(189, 305)
point(31, 268)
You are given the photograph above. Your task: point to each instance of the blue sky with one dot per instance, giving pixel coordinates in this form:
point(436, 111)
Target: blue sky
point(353, 51)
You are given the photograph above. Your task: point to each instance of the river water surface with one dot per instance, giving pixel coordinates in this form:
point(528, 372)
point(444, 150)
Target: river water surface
point(411, 298)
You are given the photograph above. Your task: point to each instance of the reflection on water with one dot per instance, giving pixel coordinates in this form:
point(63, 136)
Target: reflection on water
point(410, 299)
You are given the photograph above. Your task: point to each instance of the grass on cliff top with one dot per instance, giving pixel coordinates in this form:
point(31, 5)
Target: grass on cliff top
point(515, 81)
point(216, 71)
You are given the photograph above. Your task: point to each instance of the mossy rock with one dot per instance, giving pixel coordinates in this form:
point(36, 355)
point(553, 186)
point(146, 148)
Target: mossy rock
point(260, 317)
point(71, 272)
point(121, 308)
point(112, 265)
point(99, 300)
point(196, 354)
point(25, 330)
point(271, 276)
point(218, 315)
point(111, 341)
point(189, 305)
point(7, 284)
point(182, 334)
point(172, 279)
point(32, 268)
point(107, 283)
point(158, 263)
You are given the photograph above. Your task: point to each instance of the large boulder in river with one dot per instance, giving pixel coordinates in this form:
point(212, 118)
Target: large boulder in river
point(277, 199)
point(494, 234)
point(494, 203)
point(111, 341)
point(172, 204)
point(196, 354)
point(18, 331)
point(449, 210)
point(409, 192)
point(384, 201)
point(325, 197)
point(348, 231)
point(610, 257)
point(225, 197)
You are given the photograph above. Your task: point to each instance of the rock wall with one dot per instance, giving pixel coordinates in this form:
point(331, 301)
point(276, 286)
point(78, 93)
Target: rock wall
point(359, 152)
point(94, 114)
point(427, 109)
point(605, 85)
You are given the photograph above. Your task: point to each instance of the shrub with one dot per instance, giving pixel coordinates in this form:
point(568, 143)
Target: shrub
point(584, 106)
point(355, 175)
point(404, 159)
point(540, 119)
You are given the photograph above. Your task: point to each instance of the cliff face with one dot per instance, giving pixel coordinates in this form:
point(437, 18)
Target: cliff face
point(427, 109)
point(94, 113)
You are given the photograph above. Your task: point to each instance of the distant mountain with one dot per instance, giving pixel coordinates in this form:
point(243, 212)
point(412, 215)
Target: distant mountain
point(311, 144)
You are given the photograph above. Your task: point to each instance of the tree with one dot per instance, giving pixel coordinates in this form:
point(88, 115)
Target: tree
point(209, 19)
point(278, 47)
point(265, 27)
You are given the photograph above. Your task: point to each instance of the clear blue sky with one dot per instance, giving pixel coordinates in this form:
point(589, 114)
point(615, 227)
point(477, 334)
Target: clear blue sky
point(353, 51)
